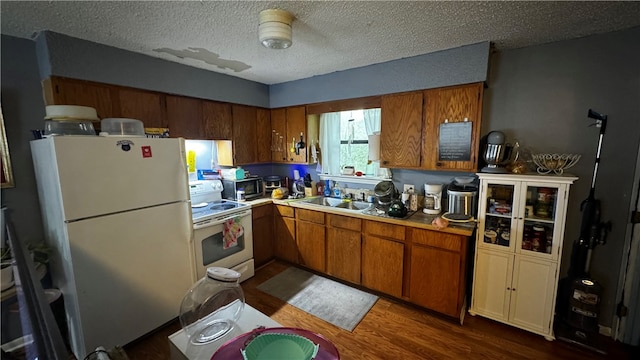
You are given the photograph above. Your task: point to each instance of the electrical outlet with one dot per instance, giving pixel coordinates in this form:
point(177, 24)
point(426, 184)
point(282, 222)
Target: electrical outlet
point(409, 187)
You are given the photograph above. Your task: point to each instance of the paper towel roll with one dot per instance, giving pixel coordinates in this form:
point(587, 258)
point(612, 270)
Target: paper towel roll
point(374, 147)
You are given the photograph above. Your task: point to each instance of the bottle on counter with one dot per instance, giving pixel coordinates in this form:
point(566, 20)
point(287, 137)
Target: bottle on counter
point(327, 188)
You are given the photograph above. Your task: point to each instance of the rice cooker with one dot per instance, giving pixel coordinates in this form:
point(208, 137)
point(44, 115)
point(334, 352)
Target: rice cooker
point(463, 199)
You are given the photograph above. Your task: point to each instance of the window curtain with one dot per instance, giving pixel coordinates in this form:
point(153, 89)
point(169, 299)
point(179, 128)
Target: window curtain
point(372, 125)
point(330, 143)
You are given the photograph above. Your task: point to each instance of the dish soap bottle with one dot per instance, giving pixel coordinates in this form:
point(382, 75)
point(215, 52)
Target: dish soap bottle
point(327, 189)
point(336, 190)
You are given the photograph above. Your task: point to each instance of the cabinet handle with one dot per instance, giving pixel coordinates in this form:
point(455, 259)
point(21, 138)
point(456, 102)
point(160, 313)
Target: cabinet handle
point(508, 288)
point(514, 289)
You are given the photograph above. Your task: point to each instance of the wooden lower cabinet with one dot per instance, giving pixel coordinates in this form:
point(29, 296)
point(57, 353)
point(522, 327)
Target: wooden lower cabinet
point(285, 231)
point(344, 247)
point(263, 245)
point(383, 257)
point(437, 270)
point(310, 239)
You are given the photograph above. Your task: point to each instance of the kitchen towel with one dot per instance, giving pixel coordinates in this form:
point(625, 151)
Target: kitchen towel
point(231, 232)
point(331, 301)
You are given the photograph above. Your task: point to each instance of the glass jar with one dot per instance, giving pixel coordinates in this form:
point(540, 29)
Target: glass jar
point(544, 203)
point(539, 239)
point(212, 306)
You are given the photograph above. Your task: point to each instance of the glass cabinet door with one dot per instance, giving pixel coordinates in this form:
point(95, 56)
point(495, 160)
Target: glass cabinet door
point(498, 215)
point(541, 203)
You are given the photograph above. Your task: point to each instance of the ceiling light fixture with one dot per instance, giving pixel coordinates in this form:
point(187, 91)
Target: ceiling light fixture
point(275, 28)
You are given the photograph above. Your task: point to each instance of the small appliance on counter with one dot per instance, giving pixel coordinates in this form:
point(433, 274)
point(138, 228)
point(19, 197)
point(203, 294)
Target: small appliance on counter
point(252, 186)
point(462, 200)
point(271, 183)
point(432, 199)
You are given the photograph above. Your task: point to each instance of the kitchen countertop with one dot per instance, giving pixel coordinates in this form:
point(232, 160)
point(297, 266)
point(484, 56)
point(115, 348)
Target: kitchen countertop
point(417, 220)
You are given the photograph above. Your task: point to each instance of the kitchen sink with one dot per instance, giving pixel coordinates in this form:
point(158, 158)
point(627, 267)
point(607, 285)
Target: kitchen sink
point(337, 203)
point(354, 205)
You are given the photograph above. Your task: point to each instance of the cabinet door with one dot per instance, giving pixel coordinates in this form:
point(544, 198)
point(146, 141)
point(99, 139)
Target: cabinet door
point(244, 134)
point(311, 245)
point(435, 279)
point(344, 252)
point(145, 106)
point(533, 294)
point(217, 122)
point(543, 221)
point(279, 147)
point(263, 247)
point(498, 215)
point(452, 105)
point(401, 130)
point(382, 265)
point(184, 117)
point(492, 284)
point(263, 135)
point(296, 125)
point(61, 91)
point(285, 238)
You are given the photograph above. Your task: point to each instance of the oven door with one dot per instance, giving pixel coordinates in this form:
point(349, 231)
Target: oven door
point(224, 241)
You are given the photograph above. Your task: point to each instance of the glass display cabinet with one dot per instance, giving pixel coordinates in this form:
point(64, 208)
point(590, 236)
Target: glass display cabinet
point(521, 221)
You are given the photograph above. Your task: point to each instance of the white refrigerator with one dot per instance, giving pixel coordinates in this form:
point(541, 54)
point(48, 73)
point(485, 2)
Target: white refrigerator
point(117, 216)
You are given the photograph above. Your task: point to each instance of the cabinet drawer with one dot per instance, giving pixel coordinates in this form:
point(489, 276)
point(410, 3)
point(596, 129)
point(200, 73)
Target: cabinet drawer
point(310, 215)
point(262, 211)
point(285, 211)
point(384, 230)
point(344, 222)
point(436, 239)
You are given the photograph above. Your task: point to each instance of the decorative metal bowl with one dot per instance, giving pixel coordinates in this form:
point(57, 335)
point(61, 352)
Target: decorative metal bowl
point(556, 163)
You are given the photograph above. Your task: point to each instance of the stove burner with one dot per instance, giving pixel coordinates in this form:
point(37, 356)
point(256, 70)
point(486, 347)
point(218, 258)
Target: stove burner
point(202, 210)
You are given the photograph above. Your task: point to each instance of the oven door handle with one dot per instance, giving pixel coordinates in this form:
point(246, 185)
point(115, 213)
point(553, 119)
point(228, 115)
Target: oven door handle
point(213, 221)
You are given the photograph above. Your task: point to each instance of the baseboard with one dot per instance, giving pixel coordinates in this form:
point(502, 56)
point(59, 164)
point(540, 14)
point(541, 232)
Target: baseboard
point(604, 330)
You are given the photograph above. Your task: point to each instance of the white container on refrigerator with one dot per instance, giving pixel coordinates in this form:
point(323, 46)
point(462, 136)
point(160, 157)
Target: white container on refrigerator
point(117, 215)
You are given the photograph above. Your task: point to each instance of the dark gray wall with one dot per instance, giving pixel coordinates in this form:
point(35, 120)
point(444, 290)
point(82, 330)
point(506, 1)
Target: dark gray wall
point(541, 95)
point(463, 65)
point(62, 55)
point(23, 110)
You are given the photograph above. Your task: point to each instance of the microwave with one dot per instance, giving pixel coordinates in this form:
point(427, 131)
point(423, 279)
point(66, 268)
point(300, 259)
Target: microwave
point(253, 188)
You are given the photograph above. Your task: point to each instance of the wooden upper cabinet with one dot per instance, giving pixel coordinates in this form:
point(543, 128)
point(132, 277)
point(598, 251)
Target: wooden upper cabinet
point(296, 125)
point(244, 134)
point(184, 117)
point(263, 135)
point(62, 91)
point(217, 121)
point(145, 106)
point(452, 105)
point(279, 142)
point(401, 130)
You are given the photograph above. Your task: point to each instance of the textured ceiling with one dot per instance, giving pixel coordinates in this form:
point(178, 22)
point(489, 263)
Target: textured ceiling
point(328, 36)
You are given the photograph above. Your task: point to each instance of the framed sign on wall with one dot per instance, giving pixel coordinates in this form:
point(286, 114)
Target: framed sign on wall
point(7, 174)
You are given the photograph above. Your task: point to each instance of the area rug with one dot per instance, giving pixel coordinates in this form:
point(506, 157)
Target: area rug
point(331, 301)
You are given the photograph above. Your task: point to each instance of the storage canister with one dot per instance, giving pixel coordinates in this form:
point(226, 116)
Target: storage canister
point(212, 306)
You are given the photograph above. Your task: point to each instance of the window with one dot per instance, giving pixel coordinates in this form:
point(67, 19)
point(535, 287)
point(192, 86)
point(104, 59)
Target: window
point(344, 140)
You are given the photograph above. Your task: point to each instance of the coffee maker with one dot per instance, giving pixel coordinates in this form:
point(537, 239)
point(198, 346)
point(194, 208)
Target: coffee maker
point(432, 199)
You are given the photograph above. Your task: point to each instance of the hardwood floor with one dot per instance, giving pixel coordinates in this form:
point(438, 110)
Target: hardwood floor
point(396, 330)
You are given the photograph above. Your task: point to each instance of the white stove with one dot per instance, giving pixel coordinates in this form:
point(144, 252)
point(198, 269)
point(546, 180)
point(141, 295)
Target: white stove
point(222, 230)
point(206, 200)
